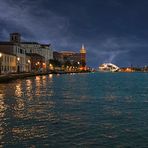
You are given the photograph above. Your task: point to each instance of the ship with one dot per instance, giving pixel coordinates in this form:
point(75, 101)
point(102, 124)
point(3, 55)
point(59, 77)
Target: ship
point(108, 67)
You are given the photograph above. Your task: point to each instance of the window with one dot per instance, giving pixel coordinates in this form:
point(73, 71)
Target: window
point(21, 51)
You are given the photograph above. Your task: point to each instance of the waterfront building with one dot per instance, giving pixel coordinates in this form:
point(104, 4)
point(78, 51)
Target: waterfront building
point(46, 51)
point(57, 56)
point(128, 69)
point(38, 62)
point(14, 48)
point(72, 57)
point(20, 49)
point(7, 63)
point(69, 60)
point(76, 60)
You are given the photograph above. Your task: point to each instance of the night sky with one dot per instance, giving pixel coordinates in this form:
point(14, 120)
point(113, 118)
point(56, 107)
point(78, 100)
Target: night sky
point(112, 30)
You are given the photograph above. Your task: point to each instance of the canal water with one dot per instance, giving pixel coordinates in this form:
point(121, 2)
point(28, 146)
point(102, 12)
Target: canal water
point(103, 110)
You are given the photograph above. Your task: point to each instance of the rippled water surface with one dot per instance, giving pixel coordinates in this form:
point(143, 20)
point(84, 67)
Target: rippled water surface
point(105, 110)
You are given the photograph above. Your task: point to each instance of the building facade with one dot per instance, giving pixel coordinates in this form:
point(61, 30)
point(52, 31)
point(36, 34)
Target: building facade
point(20, 50)
point(7, 63)
point(75, 59)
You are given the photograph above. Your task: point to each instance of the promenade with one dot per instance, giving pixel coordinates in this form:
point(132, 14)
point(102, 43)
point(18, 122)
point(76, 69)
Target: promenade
point(9, 77)
point(14, 76)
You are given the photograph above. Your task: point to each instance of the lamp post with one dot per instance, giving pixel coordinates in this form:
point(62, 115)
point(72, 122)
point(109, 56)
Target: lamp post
point(78, 65)
point(29, 66)
point(50, 67)
point(0, 62)
point(18, 64)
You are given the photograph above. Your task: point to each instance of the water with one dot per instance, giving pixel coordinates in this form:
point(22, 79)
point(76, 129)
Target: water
point(105, 110)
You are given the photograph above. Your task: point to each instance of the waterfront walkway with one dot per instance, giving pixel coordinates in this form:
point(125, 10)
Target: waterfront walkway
point(14, 76)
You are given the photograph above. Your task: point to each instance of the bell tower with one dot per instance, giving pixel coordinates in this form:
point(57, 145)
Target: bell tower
point(83, 56)
point(15, 37)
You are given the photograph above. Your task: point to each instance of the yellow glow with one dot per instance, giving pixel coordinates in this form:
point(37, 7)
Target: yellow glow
point(29, 61)
point(38, 78)
point(38, 85)
point(29, 89)
point(0, 55)
point(19, 105)
point(44, 77)
point(50, 75)
point(50, 66)
point(18, 58)
point(18, 91)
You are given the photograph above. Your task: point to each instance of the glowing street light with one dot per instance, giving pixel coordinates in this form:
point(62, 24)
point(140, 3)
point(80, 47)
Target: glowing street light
point(18, 66)
point(29, 61)
point(29, 65)
point(50, 66)
point(18, 59)
point(0, 62)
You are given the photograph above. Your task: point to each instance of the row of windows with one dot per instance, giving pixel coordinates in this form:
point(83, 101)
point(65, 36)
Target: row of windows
point(8, 59)
point(21, 51)
point(8, 68)
point(39, 51)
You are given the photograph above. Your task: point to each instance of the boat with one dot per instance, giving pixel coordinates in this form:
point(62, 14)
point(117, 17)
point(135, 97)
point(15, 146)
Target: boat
point(108, 67)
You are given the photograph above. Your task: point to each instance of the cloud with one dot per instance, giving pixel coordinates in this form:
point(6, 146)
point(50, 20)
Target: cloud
point(67, 24)
point(42, 24)
point(119, 50)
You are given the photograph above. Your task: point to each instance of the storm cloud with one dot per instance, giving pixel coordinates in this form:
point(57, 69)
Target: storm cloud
point(112, 30)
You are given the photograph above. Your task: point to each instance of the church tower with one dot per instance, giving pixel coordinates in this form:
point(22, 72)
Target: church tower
point(83, 57)
point(15, 37)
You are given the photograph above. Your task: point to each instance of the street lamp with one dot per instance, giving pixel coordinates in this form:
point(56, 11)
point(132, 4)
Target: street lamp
point(18, 66)
point(0, 62)
point(78, 65)
point(29, 66)
point(50, 66)
point(29, 61)
point(18, 58)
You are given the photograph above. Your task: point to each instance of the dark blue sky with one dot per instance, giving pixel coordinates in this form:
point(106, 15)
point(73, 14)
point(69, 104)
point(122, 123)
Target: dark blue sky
point(112, 30)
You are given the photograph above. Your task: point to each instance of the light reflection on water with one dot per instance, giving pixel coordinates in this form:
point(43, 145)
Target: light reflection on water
point(82, 110)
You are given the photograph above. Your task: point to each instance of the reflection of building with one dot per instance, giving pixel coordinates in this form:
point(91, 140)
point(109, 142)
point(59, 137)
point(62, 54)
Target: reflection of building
point(19, 49)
